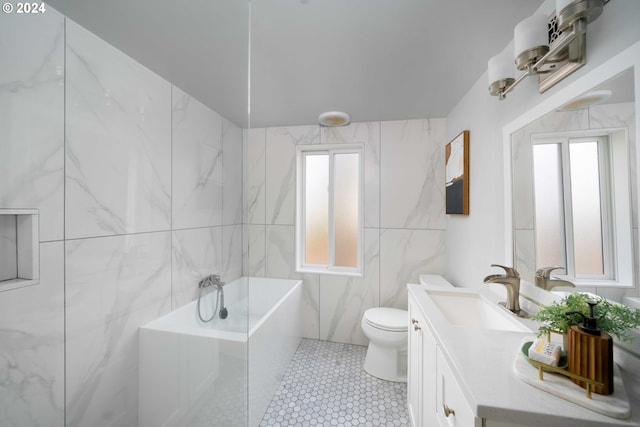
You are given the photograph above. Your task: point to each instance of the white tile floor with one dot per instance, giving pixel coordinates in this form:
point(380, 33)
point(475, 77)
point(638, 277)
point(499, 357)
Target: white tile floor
point(325, 385)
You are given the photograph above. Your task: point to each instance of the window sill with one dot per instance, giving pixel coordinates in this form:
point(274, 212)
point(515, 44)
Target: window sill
point(307, 270)
point(585, 283)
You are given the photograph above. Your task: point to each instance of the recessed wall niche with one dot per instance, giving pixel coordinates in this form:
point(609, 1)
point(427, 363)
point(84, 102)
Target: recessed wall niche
point(19, 248)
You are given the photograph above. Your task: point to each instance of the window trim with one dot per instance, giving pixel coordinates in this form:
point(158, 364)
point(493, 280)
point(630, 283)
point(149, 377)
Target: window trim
point(331, 149)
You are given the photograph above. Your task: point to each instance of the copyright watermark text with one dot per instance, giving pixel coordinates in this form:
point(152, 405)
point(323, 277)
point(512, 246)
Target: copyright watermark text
point(24, 8)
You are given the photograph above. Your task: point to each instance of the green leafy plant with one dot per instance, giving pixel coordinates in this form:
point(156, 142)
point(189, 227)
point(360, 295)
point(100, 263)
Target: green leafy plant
point(614, 319)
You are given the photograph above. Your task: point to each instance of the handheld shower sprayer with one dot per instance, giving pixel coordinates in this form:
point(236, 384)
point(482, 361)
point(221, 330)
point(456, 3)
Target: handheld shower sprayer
point(213, 280)
point(223, 311)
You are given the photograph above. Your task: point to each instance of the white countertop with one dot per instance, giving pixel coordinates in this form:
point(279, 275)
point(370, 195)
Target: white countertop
point(483, 361)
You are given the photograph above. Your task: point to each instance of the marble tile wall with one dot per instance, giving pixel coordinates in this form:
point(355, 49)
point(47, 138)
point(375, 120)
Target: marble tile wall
point(404, 217)
point(139, 188)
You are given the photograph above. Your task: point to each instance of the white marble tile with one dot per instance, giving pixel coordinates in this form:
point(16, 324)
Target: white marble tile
point(32, 347)
point(404, 255)
point(32, 111)
point(196, 253)
point(255, 250)
point(559, 121)
point(280, 197)
point(113, 286)
point(8, 242)
point(280, 262)
point(412, 174)
point(196, 187)
point(231, 252)
point(118, 130)
point(280, 259)
point(343, 299)
point(310, 306)
point(613, 116)
point(231, 173)
point(368, 134)
point(254, 175)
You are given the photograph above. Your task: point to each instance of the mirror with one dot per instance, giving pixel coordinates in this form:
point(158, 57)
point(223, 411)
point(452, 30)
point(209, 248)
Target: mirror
point(586, 144)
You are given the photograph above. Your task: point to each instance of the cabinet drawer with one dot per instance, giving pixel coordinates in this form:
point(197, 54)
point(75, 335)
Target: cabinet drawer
point(451, 407)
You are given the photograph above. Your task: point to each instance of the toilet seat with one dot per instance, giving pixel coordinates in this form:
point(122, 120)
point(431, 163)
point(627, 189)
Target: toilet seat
point(387, 319)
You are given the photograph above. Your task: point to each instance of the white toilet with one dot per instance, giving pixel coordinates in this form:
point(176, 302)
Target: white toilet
point(387, 330)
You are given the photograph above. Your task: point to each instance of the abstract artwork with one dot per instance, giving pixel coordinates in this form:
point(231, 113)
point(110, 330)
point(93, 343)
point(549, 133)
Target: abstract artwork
point(457, 174)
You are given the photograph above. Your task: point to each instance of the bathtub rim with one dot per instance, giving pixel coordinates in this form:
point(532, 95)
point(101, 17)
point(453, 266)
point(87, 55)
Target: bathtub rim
point(161, 324)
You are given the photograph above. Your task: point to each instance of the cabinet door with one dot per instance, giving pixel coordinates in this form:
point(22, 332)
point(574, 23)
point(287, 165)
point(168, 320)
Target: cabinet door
point(421, 376)
point(452, 407)
point(414, 372)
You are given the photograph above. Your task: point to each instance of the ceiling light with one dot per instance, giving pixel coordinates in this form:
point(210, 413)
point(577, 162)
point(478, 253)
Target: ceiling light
point(334, 119)
point(589, 98)
point(548, 48)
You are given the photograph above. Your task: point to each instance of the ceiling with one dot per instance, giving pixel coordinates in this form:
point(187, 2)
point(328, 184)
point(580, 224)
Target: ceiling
point(376, 59)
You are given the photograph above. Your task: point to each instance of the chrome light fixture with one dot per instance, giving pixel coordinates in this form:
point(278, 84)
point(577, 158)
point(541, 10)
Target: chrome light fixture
point(550, 49)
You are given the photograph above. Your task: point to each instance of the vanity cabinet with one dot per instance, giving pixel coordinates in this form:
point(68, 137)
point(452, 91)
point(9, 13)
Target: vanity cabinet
point(421, 374)
point(434, 397)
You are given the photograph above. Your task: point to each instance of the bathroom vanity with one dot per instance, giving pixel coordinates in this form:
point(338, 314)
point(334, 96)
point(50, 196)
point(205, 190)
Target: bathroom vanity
point(461, 366)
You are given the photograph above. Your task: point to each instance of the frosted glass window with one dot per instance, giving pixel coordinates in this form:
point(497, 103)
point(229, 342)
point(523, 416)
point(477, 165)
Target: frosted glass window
point(317, 209)
point(587, 207)
point(329, 209)
point(549, 206)
point(573, 206)
point(345, 203)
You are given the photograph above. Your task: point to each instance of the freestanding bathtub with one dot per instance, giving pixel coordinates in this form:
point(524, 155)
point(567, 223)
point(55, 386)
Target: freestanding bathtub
point(196, 374)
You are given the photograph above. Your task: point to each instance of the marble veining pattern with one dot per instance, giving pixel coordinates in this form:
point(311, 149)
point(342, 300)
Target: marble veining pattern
point(254, 250)
point(231, 252)
point(32, 347)
point(113, 285)
point(343, 299)
point(281, 170)
point(231, 173)
point(404, 255)
point(118, 130)
point(32, 111)
point(254, 172)
point(109, 193)
point(412, 174)
point(196, 163)
point(196, 253)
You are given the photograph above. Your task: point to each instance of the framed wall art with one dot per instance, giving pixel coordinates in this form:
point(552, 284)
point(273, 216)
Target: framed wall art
point(457, 175)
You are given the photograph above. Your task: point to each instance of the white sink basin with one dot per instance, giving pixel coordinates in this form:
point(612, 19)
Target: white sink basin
point(473, 310)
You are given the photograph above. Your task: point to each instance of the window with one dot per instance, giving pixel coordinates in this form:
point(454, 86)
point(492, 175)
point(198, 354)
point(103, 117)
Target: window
point(573, 199)
point(329, 209)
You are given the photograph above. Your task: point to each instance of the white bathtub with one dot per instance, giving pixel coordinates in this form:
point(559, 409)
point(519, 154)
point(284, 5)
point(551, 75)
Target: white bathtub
point(194, 373)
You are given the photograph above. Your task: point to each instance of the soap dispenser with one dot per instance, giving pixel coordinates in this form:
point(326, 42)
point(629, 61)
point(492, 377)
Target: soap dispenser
point(590, 352)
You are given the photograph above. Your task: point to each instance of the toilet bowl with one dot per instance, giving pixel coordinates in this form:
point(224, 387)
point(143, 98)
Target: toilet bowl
point(387, 330)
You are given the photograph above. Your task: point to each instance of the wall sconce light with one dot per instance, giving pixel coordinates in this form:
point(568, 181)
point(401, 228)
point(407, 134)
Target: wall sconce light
point(539, 51)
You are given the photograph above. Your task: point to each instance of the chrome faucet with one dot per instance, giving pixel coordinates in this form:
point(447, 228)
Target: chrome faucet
point(211, 280)
point(511, 280)
point(544, 280)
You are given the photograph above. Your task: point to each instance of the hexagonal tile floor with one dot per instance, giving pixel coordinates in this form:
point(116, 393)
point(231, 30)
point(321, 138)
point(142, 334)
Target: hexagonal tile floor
point(325, 385)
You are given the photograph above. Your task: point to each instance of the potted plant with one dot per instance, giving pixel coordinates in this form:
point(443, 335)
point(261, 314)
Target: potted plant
point(612, 318)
